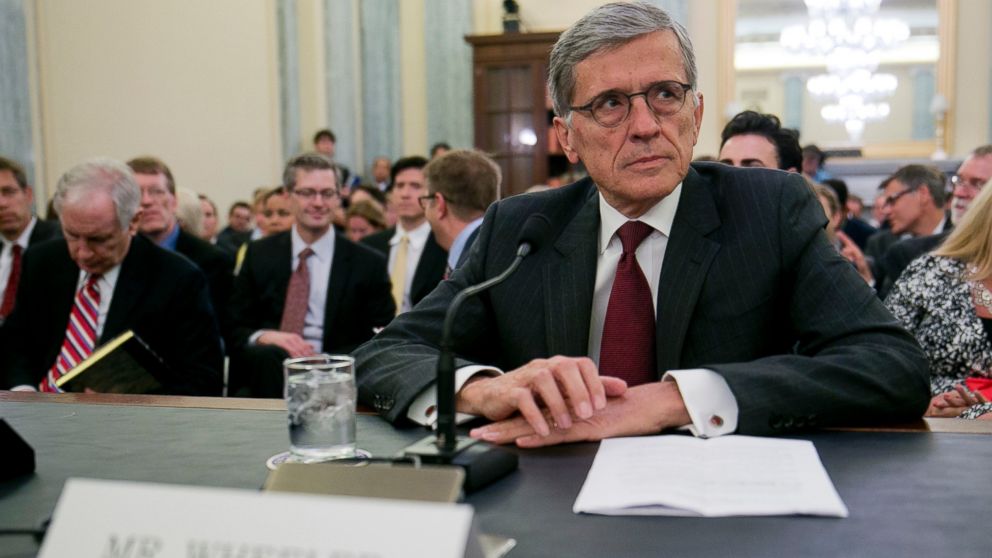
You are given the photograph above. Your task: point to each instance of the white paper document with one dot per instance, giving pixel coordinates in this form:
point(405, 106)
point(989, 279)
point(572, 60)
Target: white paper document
point(717, 477)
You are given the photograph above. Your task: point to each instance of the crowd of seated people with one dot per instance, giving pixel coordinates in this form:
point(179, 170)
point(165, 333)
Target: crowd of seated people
point(376, 249)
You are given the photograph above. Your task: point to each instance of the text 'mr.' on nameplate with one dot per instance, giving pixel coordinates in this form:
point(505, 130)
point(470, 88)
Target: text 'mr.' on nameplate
point(131, 520)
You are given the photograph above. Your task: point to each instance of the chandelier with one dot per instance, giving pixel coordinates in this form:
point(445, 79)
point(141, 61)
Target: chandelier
point(850, 37)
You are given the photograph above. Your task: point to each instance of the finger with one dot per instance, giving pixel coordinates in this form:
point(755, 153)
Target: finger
point(614, 387)
point(980, 397)
point(966, 395)
point(545, 383)
point(844, 239)
point(541, 441)
point(524, 402)
point(504, 431)
point(594, 385)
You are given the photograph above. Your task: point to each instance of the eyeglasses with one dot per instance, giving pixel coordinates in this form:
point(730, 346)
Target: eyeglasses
point(888, 201)
point(974, 183)
point(310, 193)
point(423, 200)
point(611, 108)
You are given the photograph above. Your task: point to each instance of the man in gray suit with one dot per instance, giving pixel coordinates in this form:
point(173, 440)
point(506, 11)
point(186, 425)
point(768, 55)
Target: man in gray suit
point(711, 290)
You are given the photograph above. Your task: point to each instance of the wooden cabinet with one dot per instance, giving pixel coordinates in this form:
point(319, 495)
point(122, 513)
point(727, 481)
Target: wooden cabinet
point(511, 107)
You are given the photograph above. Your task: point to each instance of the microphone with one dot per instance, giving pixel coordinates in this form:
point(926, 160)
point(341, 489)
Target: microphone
point(483, 462)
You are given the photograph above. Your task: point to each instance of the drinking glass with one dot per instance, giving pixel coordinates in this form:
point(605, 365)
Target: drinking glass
point(320, 398)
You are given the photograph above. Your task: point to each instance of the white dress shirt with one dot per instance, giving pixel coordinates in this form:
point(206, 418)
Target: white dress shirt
point(7, 254)
point(415, 247)
point(711, 405)
point(106, 285)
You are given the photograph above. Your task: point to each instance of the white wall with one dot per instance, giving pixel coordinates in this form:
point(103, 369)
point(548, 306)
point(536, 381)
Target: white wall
point(191, 82)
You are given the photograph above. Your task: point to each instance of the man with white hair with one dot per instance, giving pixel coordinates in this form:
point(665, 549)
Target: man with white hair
point(103, 279)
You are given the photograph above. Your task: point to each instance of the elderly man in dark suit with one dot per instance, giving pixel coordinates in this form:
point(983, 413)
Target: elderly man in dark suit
point(667, 295)
point(102, 280)
point(304, 291)
point(416, 261)
point(19, 229)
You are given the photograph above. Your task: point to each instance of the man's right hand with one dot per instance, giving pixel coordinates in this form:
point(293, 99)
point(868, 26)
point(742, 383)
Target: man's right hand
point(558, 383)
point(292, 343)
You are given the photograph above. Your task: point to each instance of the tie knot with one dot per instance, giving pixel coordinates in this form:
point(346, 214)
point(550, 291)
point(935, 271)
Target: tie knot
point(305, 253)
point(16, 249)
point(632, 233)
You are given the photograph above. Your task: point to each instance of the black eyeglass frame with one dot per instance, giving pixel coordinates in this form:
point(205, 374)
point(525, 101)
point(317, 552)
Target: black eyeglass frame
point(657, 87)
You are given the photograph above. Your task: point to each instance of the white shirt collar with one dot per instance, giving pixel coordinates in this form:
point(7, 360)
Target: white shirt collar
point(21, 240)
point(418, 236)
point(323, 249)
point(940, 225)
point(660, 217)
point(107, 281)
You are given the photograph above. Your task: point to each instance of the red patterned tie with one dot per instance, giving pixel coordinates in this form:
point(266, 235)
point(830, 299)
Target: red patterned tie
point(294, 313)
point(7, 306)
point(80, 334)
point(628, 347)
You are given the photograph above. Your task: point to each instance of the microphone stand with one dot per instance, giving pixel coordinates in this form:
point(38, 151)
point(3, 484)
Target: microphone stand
point(483, 462)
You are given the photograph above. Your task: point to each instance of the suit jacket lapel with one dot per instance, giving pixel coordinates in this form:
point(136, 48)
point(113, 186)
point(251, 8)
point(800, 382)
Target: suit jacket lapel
point(127, 292)
point(336, 284)
point(569, 280)
point(687, 259)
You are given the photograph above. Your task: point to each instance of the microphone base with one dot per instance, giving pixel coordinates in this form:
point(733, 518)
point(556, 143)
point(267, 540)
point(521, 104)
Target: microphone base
point(483, 463)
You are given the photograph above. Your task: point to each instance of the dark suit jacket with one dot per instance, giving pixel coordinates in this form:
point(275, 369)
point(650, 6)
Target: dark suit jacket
point(229, 240)
point(430, 268)
point(750, 288)
point(44, 230)
point(859, 232)
point(885, 269)
point(217, 266)
point(159, 295)
point(900, 254)
point(359, 297)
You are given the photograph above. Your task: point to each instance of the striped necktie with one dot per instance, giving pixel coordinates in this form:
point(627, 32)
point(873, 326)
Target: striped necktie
point(80, 334)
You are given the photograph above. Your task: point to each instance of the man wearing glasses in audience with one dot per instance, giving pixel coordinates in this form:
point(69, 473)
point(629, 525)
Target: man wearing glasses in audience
point(306, 290)
point(665, 295)
point(972, 175)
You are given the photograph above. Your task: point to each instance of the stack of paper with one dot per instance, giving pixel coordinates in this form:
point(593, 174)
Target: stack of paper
point(730, 475)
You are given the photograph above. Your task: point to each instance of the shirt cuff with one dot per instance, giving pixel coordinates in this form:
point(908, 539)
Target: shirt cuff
point(253, 338)
point(708, 399)
point(423, 410)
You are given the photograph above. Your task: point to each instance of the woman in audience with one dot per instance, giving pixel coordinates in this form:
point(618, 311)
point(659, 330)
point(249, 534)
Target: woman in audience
point(277, 216)
point(188, 211)
point(209, 209)
point(364, 218)
point(944, 299)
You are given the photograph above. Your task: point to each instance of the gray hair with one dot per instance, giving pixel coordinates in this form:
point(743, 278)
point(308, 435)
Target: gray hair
point(101, 174)
point(608, 27)
point(307, 162)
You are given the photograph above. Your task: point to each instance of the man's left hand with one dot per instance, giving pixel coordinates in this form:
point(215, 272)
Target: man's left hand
point(645, 409)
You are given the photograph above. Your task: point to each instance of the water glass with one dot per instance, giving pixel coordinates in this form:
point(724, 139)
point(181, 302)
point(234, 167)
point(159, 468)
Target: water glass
point(320, 398)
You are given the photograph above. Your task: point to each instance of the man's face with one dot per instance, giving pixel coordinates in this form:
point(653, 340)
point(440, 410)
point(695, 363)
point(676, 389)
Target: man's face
point(974, 173)
point(811, 164)
point(278, 214)
point(749, 150)
point(158, 204)
point(209, 219)
point(903, 208)
point(642, 160)
point(314, 200)
point(95, 238)
point(325, 146)
point(240, 219)
point(380, 170)
point(409, 185)
point(15, 206)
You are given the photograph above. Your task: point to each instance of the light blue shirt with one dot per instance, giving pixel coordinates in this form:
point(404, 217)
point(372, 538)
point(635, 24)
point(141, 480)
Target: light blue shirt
point(170, 241)
point(458, 246)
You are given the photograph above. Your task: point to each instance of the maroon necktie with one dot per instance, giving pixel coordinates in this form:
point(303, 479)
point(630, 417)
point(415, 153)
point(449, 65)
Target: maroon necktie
point(628, 347)
point(294, 312)
point(11, 291)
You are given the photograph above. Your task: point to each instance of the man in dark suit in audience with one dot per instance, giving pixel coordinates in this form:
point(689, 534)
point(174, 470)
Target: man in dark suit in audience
point(914, 207)
point(102, 280)
point(752, 139)
point(238, 229)
point(19, 229)
point(159, 223)
point(304, 291)
point(461, 185)
point(422, 261)
point(664, 295)
point(974, 173)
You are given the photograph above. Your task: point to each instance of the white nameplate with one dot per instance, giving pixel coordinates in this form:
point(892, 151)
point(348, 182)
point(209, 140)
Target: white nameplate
point(112, 519)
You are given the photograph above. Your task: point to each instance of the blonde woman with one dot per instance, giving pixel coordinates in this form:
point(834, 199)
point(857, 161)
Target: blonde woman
point(945, 300)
